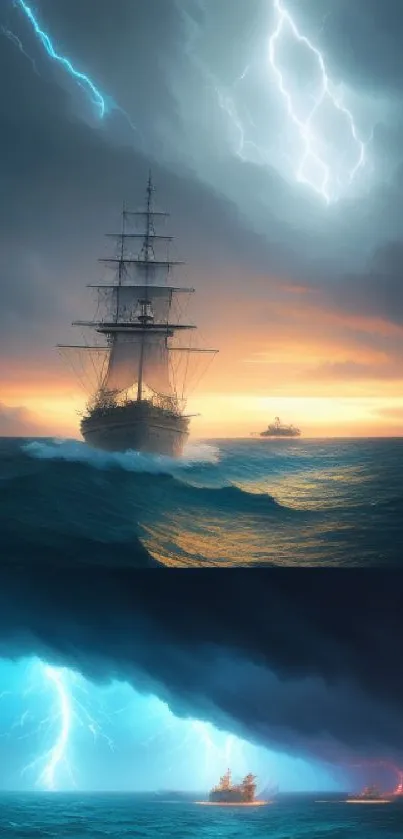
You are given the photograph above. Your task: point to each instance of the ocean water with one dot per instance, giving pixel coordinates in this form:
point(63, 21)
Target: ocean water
point(75, 816)
point(234, 502)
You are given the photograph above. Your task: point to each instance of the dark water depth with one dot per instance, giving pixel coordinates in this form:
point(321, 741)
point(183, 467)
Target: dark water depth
point(75, 816)
point(296, 502)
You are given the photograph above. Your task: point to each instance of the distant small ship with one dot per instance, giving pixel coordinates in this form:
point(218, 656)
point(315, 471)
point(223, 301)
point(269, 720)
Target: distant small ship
point(277, 429)
point(227, 793)
point(369, 795)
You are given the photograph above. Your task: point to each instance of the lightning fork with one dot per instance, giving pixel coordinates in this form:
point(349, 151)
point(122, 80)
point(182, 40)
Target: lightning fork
point(305, 129)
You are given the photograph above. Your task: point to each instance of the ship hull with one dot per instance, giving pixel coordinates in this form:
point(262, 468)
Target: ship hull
point(368, 801)
point(229, 797)
point(136, 426)
point(255, 803)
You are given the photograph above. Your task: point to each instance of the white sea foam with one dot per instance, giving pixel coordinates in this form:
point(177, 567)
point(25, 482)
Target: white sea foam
point(75, 451)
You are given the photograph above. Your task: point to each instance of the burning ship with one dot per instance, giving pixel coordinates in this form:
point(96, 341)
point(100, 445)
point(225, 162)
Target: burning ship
point(277, 429)
point(369, 795)
point(137, 404)
point(227, 793)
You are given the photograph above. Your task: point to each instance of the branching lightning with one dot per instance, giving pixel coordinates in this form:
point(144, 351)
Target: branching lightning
point(326, 168)
point(17, 42)
point(311, 159)
point(67, 712)
point(243, 144)
point(47, 765)
point(57, 753)
point(71, 704)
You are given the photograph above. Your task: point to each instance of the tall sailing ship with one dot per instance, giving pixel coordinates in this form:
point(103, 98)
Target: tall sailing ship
point(226, 793)
point(137, 404)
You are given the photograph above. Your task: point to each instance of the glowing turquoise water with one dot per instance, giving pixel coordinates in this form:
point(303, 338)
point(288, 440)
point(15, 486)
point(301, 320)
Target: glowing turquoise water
point(125, 817)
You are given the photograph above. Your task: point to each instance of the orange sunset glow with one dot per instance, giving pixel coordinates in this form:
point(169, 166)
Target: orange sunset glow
point(332, 373)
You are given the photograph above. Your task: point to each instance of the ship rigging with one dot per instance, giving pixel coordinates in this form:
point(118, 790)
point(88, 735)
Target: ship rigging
point(137, 403)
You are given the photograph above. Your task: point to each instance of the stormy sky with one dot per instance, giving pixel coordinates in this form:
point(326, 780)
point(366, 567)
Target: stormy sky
point(305, 666)
point(274, 131)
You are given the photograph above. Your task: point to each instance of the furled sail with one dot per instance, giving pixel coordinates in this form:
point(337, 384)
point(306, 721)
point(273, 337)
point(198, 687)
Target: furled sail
point(129, 354)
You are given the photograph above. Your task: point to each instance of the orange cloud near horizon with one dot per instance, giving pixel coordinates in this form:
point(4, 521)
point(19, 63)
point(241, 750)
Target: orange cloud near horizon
point(232, 415)
point(292, 354)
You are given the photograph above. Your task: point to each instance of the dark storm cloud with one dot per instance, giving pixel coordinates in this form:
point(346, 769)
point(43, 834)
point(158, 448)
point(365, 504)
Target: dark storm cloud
point(65, 174)
point(307, 662)
point(65, 182)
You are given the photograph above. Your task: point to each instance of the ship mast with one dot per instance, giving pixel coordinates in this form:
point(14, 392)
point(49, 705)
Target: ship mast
point(121, 263)
point(138, 328)
point(143, 303)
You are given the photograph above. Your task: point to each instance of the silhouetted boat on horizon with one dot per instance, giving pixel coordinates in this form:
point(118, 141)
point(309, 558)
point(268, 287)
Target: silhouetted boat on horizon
point(277, 429)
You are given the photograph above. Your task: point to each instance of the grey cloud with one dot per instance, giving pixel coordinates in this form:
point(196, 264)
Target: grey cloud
point(65, 174)
point(379, 290)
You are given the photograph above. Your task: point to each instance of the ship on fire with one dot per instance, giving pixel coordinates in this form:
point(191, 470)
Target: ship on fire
point(227, 793)
point(369, 795)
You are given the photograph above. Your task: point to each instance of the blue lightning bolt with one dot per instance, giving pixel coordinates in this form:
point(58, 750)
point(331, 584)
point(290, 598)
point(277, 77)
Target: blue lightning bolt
point(57, 754)
point(67, 712)
point(56, 757)
point(83, 80)
point(196, 746)
point(305, 127)
point(103, 103)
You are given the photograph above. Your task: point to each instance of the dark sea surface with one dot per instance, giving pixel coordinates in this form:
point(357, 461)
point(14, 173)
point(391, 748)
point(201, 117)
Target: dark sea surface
point(75, 816)
point(242, 502)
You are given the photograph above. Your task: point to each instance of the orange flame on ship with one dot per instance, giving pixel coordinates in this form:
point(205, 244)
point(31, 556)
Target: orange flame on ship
point(385, 764)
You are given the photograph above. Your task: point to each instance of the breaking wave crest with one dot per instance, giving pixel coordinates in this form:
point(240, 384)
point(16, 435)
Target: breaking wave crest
point(63, 501)
point(131, 461)
point(235, 503)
